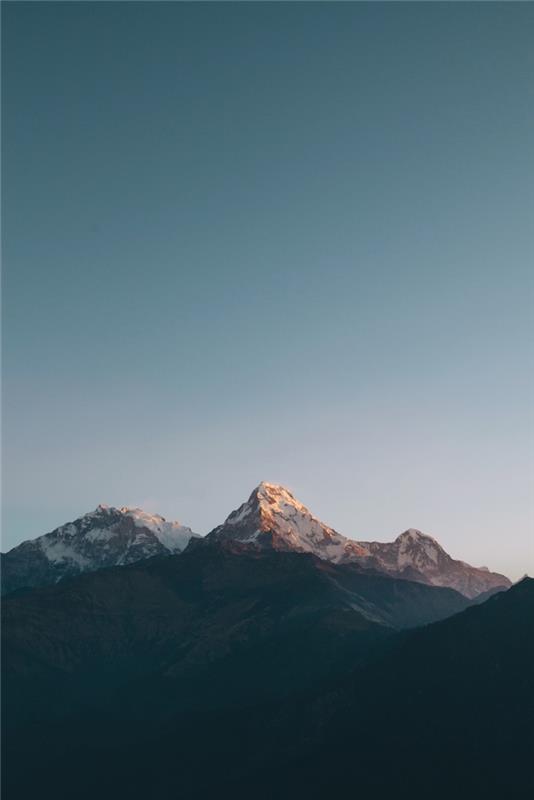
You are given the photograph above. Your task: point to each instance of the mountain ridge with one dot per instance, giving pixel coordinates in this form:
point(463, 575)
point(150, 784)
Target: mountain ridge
point(181, 615)
point(235, 657)
point(271, 519)
point(107, 536)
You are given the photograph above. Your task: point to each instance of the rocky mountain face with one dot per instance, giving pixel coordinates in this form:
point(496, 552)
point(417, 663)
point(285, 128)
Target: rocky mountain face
point(273, 519)
point(102, 538)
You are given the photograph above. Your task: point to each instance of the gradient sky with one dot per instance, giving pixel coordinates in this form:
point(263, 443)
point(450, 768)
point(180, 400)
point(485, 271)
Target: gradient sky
point(275, 241)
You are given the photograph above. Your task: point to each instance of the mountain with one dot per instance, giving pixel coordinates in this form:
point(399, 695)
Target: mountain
point(273, 519)
point(222, 606)
point(447, 706)
point(235, 670)
point(104, 537)
point(417, 556)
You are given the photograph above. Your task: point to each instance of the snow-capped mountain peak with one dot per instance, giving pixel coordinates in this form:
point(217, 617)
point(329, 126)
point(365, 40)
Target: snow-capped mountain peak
point(267, 501)
point(273, 518)
point(105, 537)
point(417, 548)
point(418, 556)
point(412, 534)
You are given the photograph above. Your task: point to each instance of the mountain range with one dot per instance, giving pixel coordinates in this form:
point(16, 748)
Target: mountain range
point(272, 518)
point(236, 670)
point(209, 609)
point(273, 657)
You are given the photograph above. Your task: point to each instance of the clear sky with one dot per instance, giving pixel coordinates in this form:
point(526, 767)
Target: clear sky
point(290, 242)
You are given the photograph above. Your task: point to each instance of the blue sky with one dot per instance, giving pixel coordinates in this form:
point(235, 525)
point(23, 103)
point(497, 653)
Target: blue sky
point(271, 241)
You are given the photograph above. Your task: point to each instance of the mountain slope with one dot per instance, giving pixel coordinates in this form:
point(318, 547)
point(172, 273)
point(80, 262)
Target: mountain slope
point(448, 706)
point(105, 537)
point(181, 616)
point(235, 672)
point(272, 518)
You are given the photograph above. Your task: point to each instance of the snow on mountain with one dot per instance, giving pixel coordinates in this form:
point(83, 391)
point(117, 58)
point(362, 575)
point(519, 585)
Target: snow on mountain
point(172, 535)
point(417, 556)
point(104, 537)
point(273, 518)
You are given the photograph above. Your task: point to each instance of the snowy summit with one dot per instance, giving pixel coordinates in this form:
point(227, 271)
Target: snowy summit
point(104, 537)
point(273, 518)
